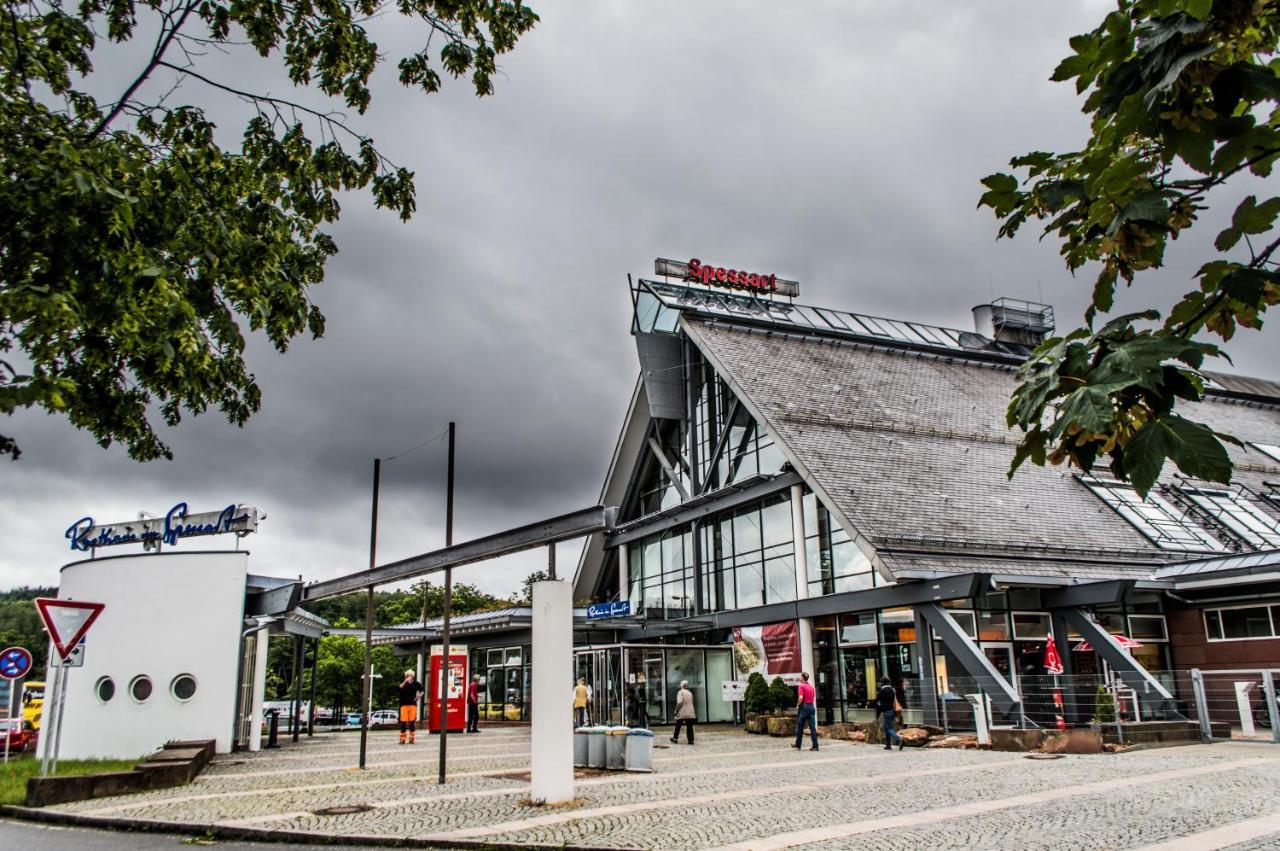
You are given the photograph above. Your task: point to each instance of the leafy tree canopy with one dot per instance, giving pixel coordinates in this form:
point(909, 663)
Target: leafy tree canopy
point(135, 251)
point(1183, 96)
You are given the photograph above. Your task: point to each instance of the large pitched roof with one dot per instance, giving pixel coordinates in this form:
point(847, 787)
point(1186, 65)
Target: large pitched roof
point(911, 448)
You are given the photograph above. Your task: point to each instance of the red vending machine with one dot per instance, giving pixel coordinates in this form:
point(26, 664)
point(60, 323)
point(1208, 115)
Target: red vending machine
point(456, 699)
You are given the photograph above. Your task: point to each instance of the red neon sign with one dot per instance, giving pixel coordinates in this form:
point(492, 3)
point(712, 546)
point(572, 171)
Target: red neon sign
point(712, 275)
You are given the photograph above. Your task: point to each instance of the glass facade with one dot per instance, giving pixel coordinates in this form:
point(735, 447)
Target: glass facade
point(504, 681)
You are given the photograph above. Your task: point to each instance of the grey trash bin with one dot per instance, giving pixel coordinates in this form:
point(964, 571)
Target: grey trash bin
point(596, 747)
point(639, 755)
point(580, 744)
point(615, 746)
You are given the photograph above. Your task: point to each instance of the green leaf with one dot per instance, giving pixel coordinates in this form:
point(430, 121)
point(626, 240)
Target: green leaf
point(1193, 447)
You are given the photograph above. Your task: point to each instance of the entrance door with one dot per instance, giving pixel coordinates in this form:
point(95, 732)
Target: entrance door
point(1000, 654)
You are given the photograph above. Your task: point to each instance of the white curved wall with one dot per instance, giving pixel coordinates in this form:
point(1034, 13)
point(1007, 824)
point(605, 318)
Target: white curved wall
point(166, 614)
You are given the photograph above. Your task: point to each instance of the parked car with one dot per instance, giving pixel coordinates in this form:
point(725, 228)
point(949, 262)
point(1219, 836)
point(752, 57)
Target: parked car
point(384, 716)
point(23, 735)
point(353, 719)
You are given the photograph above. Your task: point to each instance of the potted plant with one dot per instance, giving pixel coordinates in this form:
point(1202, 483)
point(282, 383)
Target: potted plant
point(757, 702)
point(1104, 708)
point(782, 702)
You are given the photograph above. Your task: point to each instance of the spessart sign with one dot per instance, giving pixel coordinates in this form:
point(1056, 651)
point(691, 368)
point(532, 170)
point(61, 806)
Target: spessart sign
point(772, 650)
point(86, 535)
point(711, 275)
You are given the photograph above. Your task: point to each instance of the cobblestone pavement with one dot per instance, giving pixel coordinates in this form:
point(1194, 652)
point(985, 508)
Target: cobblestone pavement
point(732, 790)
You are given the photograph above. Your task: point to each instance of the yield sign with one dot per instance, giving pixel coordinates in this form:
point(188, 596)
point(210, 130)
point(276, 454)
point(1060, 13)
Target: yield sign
point(67, 621)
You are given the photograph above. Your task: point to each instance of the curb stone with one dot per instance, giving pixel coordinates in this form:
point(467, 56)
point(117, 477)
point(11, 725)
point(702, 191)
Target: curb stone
point(251, 834)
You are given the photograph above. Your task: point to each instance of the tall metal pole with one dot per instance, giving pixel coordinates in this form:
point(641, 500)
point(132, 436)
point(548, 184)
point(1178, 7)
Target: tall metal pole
point(8, 718)
point(48, 713)
point(311, 711)
point(368, 618)
point(448, 601)
point(62, 710)
point(298, 659)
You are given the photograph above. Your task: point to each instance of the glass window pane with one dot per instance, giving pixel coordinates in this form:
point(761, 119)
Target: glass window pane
point(494, 657)
point(1147, 627)
point(780, 573)
point(859, 628)
point(1030, 625)
point(1254, 622)
point(848, 559)
point(993, 626)
point(746, 532)
point(1212, 625)
point(898, 625)
point(513, 656)
point(777, 523)
point(749, 584)
point(856, 582)
point(966, 621)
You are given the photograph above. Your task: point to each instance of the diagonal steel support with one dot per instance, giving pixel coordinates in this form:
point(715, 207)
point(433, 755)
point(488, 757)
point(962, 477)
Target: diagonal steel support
point(1003, 696)
point(1149, 690)
point(668, 468)
point(562, 528)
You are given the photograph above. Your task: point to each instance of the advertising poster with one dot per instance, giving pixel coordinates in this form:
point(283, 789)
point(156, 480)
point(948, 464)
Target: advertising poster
point(456, 699)
point(772, 650)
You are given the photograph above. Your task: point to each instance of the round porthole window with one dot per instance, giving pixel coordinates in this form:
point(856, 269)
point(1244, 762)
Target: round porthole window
point(140, 689)
point(105, 688)
point(183, 687)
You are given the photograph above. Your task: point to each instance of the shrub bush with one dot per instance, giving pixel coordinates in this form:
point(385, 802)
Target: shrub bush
point(781, 695)
point(757, 694)
point(1104, 706)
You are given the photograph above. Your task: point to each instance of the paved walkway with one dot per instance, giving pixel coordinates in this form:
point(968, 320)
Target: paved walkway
point(732, 790)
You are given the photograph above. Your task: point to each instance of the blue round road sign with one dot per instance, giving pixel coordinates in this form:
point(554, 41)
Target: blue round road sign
point(15, 662)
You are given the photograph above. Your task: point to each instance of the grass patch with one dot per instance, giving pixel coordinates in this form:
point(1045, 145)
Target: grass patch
point(14, 775)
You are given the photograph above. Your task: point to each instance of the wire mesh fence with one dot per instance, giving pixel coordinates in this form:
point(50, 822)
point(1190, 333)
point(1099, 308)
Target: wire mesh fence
point(1237, 703)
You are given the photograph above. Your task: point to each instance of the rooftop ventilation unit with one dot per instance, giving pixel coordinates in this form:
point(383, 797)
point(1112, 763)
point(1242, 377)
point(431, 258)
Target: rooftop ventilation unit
point(1008, 320)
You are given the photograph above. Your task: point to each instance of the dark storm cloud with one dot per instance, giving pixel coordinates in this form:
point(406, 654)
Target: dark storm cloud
point(839, 143)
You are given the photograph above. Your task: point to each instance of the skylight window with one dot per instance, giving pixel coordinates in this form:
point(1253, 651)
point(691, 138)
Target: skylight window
point(1242, 516)
point(1268, 449)
point(1167, 525)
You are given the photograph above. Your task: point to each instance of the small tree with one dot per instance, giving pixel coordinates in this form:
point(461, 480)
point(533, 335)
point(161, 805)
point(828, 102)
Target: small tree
point(781, 695)
point(757, 697)
point(1104, 706)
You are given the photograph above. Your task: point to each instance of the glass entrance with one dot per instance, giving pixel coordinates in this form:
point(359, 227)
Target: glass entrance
point(1000, 654)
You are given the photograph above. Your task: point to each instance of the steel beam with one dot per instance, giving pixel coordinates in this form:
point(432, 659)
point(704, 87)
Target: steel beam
point(275, 601)
point(709, 504)
point(668, 468)
point(544, 532)
point(1003, 696)
point(884, 597)
point(1149, 690)
point(1104, 593)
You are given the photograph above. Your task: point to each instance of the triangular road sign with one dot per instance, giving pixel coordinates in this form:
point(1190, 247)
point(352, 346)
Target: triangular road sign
point(67, 621)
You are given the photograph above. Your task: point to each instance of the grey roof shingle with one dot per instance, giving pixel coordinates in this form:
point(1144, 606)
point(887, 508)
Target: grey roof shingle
point(912, 445)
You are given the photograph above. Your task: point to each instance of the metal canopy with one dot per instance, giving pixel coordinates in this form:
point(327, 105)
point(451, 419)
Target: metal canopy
point(544, 532)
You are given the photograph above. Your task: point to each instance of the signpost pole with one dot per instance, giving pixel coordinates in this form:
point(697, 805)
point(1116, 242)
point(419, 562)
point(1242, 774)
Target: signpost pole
point(368, 618)
point(51, 704)
point(62, 704)
point(445, 656)
point(8, 719)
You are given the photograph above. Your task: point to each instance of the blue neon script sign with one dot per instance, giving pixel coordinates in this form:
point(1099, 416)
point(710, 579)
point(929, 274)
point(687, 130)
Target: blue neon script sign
point(617, 609)
point(178, 523)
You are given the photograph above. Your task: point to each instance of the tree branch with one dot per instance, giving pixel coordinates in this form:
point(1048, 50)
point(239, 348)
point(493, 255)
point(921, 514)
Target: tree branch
point(157, 59)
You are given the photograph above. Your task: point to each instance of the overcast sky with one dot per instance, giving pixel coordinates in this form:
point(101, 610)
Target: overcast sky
point(839, 144)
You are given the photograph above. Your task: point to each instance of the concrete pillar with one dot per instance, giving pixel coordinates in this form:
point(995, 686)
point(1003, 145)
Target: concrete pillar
point(259, 689)
point(624, 577)
point(551, 768)
point(801, 559)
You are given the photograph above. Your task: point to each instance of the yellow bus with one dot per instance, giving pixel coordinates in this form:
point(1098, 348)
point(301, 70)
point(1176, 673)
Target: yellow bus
point(33, 703)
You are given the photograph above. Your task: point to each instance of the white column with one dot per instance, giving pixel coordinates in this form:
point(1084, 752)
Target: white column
point(551, 768)
point(801, 559)
point(259, 688)
point(624, 568)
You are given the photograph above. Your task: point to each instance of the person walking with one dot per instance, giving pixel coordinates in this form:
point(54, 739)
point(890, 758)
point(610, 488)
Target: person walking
point(473, 705)
point(684, 713)
point(410, 690)
point(581, 697)
point(806, 712)
point(888, 707)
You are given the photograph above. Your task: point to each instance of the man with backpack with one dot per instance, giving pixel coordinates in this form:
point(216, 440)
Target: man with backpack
point(889, 707)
